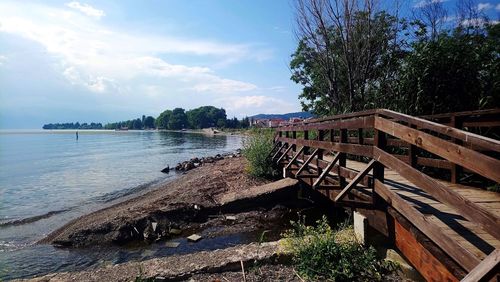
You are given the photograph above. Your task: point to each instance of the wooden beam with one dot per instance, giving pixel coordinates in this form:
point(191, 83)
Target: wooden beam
point(306, 163)
point(279, 150)
point(284, 154)
point(355, 181)
point(487, 268)
point(461, 255)
point(355, 149)
point(293, 160)
point(481, 164)
point(418, 252)
point(474, 139)
point(276, 144)
point(326, 170)
point(468, 209)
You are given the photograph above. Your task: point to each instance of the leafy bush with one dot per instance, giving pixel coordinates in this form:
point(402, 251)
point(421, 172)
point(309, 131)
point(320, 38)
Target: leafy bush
point(319, 254)
point(256, 149)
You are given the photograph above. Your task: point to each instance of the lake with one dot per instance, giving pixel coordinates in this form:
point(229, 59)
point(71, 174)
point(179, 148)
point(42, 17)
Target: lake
point(48, 178)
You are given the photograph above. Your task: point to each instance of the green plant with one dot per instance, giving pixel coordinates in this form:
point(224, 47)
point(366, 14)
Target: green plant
point(256, 149)
point(319, 255)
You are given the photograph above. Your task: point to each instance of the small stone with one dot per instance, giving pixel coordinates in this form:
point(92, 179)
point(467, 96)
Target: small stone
point(230, 217)
point(194, 238)
point(196, 207)
point(175, 231)
point(172, 244)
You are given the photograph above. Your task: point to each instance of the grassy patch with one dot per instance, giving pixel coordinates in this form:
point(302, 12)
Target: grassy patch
point(256, 149)
point(321, 253)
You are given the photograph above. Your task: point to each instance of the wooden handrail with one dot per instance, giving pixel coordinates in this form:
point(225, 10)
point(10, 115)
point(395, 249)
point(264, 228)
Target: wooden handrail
point(451, 146)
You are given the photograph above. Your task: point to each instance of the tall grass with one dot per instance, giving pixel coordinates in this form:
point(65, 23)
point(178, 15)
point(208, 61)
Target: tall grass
point(323, 254)
point(256, 149)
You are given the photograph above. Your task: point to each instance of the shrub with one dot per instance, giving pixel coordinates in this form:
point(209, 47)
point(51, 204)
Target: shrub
point(320, 255)
point(256, 149)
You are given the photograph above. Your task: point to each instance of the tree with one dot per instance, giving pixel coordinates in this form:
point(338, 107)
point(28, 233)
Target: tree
point(149, 122)
point(347, 51)
point(455, 71)
point(178, 119)
point(163, 119)
point(136, 124)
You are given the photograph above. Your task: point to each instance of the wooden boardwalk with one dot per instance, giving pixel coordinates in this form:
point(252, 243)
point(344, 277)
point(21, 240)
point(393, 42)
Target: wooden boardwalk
point(468, 234)
point(446, 229)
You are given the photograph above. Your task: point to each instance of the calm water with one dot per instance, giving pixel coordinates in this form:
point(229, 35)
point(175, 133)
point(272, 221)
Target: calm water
point(48, 178)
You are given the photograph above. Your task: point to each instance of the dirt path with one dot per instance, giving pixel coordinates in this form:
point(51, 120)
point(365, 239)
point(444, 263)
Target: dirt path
point(175, 205)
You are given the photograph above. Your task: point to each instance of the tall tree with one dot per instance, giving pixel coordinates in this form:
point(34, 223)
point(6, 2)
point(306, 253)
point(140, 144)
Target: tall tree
point(163, 119)
point(178, 119)
point(346, 49)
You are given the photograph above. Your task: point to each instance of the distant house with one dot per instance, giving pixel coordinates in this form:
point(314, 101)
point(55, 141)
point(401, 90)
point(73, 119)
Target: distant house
point(295, 119)
point(260, 122)
point(275, 122)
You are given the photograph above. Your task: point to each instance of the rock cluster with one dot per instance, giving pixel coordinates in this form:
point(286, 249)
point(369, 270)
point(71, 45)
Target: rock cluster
point(196, 162)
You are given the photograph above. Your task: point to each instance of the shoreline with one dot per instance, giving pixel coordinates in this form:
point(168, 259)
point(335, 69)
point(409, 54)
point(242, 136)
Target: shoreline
point(123, 222)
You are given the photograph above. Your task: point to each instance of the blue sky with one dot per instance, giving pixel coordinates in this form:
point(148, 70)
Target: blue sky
point(102, 61)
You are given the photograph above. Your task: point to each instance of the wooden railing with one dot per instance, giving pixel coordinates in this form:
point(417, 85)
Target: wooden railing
point(405, 144)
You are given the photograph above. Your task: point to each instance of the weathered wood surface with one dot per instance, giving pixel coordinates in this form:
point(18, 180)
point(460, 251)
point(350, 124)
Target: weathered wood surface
point(467, 233)
point(463, 222)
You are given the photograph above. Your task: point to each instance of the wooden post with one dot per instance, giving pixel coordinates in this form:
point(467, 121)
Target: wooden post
point(342, 158)
point(321, 134)
point(456, 170)
point(360, 136)
point(294, 136)
point(412, 153)
point(380, 141)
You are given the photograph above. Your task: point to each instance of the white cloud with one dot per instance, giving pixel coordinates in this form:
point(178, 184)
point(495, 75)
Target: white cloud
point(102, 59)
point(497, 7)
point(484, 6)
point(423, 3)
point(86, 9)
point(3, 59)
point(478, 22)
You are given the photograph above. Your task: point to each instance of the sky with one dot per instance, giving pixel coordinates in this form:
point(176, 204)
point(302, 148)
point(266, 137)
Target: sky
point(105, 61)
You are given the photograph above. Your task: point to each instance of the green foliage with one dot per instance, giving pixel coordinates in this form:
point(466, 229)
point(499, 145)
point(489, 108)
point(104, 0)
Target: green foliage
point(256, 149)
point(149, 122)
point(72, 125)
point(178, 119)
point(162, 119)
point(206, 116)
point(455, 70)
point(320, 255)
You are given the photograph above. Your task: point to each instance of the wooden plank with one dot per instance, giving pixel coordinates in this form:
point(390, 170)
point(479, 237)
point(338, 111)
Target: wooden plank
point(481, 141)
point(427, 265)
point(486, 269)
point(294, 158)
point(477, 162)
point(352, 123)
point(306, 163)
point(465, 207)
point(276, 144)
point(462, 256)
point(355, 181)
point(279, 150)
point(284, 154)
point(355, 149)
point(326, 170)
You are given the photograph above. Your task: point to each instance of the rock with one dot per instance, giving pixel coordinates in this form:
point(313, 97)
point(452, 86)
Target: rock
point(175, 231)
point(230, 217)
point(166, 170)
point(172, 244)
point(194, 238)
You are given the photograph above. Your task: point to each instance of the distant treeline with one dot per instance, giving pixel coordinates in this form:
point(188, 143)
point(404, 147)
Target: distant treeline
point(73, 125)
point(202, 117)
point(178, 118)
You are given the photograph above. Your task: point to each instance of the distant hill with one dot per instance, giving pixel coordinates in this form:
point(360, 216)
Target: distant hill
point(284, 116)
